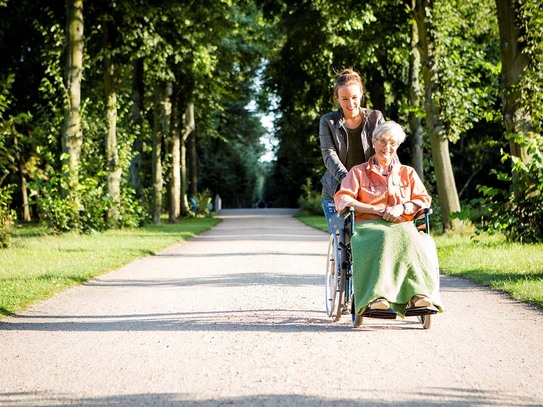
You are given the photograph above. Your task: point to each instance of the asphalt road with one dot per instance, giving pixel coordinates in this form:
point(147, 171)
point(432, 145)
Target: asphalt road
point(236, 317)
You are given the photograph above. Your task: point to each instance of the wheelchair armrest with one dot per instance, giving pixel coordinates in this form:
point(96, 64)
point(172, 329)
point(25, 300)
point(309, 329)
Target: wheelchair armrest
point(423, 213)
point(348, 215)
point(347, 211)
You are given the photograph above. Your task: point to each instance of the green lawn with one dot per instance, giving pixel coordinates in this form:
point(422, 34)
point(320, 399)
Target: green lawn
point(39, 265)
point(488, 260)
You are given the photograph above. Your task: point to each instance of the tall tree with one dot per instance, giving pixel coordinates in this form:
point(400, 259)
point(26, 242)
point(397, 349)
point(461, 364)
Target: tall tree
point(174, 185)
point(446, 185)
point(188, 133)
point(415, 97)
point(137, 94)
point(514, 66)
point(161, 129)
point(72, 135)
point(114, 169)
point(517, 211)
point(457, 43)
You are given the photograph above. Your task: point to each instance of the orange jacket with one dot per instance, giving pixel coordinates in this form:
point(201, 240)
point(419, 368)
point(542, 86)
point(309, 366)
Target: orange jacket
point(365, 184)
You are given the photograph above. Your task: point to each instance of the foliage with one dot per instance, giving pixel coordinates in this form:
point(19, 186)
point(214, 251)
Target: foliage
point(203, 204)
point(310, 201)
point(223, 56)
point(373, 37)
point(229, 160)
point(63, 214)
point(531, 21)
point(7, 216)
point(59, 214)
point(467, 56)
point(516, 209)
point(300, 75)
point(210, 55)
point(517, 214)
point(133, 213)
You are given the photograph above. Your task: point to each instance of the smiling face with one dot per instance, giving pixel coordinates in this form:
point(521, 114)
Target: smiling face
point(349, 98)
point(385, 146)
point(386, 139)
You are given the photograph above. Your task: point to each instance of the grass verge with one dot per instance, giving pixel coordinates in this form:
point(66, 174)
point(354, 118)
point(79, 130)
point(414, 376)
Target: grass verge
point(39, 265)
point(513, 268)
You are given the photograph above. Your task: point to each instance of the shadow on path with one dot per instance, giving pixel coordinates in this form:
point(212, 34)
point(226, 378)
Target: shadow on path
point(272, 320)
point(430, 396)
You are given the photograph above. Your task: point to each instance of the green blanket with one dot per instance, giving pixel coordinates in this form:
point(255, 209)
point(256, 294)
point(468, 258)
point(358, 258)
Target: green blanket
point(394, 261)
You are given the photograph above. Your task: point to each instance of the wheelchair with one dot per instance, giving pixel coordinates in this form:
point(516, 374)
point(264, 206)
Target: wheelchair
point(339, 273)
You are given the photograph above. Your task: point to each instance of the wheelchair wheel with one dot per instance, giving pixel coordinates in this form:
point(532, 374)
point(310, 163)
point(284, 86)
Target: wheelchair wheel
point(332, 280)
point(426, 321)
point(357, 318)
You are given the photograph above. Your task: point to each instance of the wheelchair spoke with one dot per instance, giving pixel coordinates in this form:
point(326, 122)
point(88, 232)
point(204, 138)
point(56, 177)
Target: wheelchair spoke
point(332, 276)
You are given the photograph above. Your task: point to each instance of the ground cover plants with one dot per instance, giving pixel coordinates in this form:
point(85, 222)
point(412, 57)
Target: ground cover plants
point(39, 265)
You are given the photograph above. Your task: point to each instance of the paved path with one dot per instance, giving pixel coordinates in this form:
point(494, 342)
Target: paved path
point(235, 317)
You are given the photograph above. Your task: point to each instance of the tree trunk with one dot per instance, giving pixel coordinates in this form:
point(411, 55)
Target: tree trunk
point(175, 175)
point(160, 129)
point(193, 161)
point(22, 172)
point(184, 204)
point(446, 186)
point(514, 65)
point(112, 155)
point(24, 193)
point(415, 122)
point(72, 137)
point(137, 146)
point(188, 130)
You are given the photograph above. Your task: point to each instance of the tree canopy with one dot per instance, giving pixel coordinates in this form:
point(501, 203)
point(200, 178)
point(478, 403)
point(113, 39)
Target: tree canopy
point(113, 114)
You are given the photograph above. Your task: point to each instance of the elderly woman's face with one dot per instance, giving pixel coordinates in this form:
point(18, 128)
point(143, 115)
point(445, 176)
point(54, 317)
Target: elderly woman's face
point(386, 146)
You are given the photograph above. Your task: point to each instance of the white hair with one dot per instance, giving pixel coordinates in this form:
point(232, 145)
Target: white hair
point(391, 129)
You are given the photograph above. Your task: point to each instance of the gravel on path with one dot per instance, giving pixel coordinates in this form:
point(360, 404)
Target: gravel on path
point(236, 317)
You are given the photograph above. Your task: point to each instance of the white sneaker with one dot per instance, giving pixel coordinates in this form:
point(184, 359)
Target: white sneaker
point(421, 301)
point(379, 304)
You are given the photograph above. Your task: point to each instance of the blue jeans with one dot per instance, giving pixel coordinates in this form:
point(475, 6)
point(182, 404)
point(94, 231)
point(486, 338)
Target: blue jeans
point(329, 209)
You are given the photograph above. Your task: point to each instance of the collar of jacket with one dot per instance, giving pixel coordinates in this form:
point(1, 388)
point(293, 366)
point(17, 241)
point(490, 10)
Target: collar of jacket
point(340, 119)
point(394, 167)
point(340, 122)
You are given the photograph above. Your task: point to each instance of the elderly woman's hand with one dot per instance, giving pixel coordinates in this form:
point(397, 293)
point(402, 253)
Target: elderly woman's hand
point(394, 213)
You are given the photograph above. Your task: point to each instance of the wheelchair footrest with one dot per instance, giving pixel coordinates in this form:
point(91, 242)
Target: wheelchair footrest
point(418, 311)
point(377, 313)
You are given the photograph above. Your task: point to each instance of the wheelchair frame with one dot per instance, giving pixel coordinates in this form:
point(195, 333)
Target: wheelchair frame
point(339, 273)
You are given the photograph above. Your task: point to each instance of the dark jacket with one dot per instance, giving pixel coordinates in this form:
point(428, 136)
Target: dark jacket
point(335, 144)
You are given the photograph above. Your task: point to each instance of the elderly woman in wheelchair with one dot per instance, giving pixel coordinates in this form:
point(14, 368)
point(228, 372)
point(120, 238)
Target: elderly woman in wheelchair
point(395, 268)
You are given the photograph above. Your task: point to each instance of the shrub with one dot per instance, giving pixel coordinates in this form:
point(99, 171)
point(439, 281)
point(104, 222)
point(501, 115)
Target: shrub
point(133, 213)
point(59, 214)
point(7, 216)
point(310, 201)
point(202, 204)
point(84, 210)
point(517, 212)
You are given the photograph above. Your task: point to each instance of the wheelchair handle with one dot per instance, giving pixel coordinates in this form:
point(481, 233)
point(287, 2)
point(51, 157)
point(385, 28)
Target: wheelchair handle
point(348, 215)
